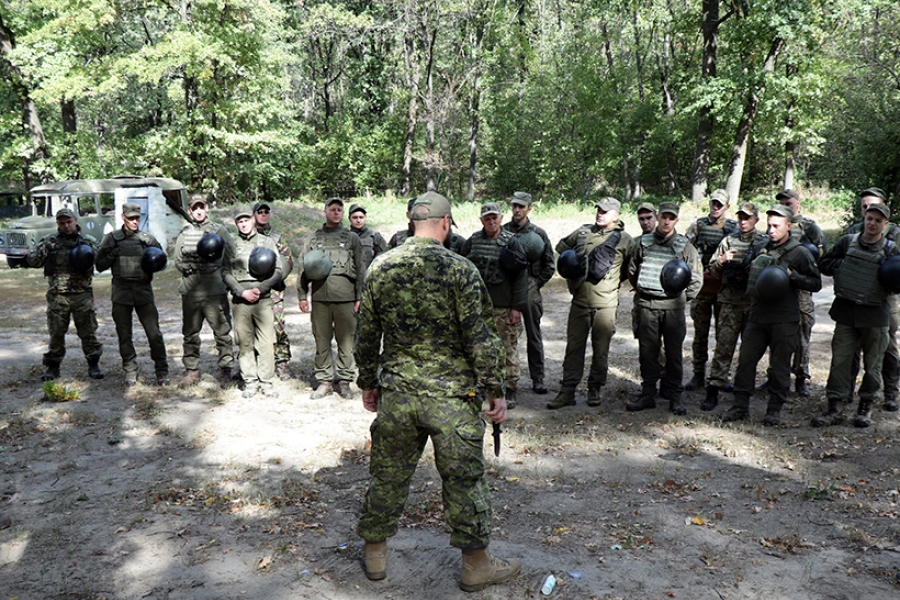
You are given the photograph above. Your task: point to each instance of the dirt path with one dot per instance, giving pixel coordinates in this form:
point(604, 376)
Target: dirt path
point(198, 493)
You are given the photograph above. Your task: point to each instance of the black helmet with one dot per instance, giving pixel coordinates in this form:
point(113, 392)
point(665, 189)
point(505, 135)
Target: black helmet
point(316, 265)
point(262, 262)
point(210, 247)
point(675, 277)
point(570, 266)
point(154, 260)
point(533, 246)
point(889, 274)
point(813, 249)
point(773, 283)
point(81, 257)
point(512, 257)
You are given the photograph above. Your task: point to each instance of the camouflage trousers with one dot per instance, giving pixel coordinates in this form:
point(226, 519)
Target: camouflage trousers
point(399, 434)
point(703, 308)
point(215, 311)
point(282, 343)
point(509, 335)
point(800, 365)
point(730, 324)
point(61, 310)
point(845, 345)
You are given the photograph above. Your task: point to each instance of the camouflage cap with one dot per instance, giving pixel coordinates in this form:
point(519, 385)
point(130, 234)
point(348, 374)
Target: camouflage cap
point(198, 199)
point(521, 198)
point(331, 201)
point(669, 207)
point(608, 204)
point(748, 208)
point(780, 210)
point(873, 191)
point(131, 209)
point(646, 207)
point(881, 208)
point(243, 215)
point(64, 213)
point(720, 196)
point(431, 205)
point(785, 194)
point(490, 208)
point(261, 205)
point(357, 208)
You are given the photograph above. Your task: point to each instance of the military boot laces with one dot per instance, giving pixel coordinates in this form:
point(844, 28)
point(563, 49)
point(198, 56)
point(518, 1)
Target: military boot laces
point(51, 373)
point(375, 560)
point(94, 371)
point(483, 569)
point(862, 415)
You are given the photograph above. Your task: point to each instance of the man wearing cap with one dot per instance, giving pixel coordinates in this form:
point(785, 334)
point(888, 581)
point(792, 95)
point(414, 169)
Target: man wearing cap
point(595, 299)
point(203, 294)
point(372, 242)
point(262, 214)
point(890, 369)
point(774, 317)
point(805, 231)
point(705, 234)
point(647, 221)
point(508, 287)
point(132, 291)
point(252, 304)
point(730, 263)
point(70, 296)
point(861, 314)
point(662, 321)
point(427, 344)
point(335, 300)
point(539, 273)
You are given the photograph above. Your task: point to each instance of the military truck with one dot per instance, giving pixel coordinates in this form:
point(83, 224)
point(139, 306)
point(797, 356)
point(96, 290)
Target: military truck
point(98, 202)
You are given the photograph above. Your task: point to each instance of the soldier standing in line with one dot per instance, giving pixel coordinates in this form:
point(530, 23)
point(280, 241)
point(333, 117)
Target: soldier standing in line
point(662, 320)
point(398, 238)
point(731, 263)
point(539, 273)
point(890, 369)
point(262, 214)
point(595, 298)
point(372, 242)
point(774, 319)
point(335, 300)
point(705, 234)
point(426, 344)
point(861, 314)
point(132, 292)
point(646, 213)
point(251, 296)
point(508, 287)
point(203, 294)
point(69, 268)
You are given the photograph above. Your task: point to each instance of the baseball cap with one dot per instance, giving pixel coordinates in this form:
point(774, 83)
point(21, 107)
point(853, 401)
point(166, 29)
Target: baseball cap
point(748, 208)
point(490, 208)
point(873, 191)
point(131, 209)
point(646, 207)
point(430, 205)
point(198, 199)
point(780, 210)
point(261, 205)
point(243, 215)
point(720, 196)
point(356, 208)
point(66, 212)
point(787, 194)
point(668, 207)
point(882, 208)
point(521, 198)
point(331, 201)
point(608, 204)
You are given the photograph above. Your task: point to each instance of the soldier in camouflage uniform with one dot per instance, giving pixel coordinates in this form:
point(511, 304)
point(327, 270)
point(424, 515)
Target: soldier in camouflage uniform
point(731, 264)
point(372, 242)
point(705, 234)
point(890, 369)
point(261, 214)
point(594, 301)
point(252, 301)
point(132, 292)
point(70, 296)
point(203, 294)
point(509, 290)
point(427, 343)
point(335, 300)
point(861, 314)
point(539, 273)
point(662, 321)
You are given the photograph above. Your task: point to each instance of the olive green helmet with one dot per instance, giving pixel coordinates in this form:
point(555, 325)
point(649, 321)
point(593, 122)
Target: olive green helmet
point(533, 246)
point(316, 265)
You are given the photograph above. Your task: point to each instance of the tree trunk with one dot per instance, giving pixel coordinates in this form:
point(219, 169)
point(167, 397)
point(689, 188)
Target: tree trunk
point(789, 145)
point(474, 108)
point(412, 83)
point(739, 152)
point(710, 27)
point(431, 116)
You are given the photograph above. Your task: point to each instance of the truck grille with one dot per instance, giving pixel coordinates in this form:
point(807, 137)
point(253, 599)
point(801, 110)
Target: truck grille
point(15, 239)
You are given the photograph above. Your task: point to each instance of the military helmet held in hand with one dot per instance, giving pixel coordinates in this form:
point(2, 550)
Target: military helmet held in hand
point(262, 262)
point(773, 283)
point(210, 247)
point(153, 260)
point(675, 277)
point(81, 257)
point(570, 266)
point(533, 246)
point(316, 265)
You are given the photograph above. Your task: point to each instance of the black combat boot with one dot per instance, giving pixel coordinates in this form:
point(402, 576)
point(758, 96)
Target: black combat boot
point(800, 387)
point(510, 399)
point(862, 415)
point(890, 403)
point(697, 382)
point(712, 398)
point(833, 416)
point(52, 371)
point(643, 403)
point(676, 406)
point(94, 371)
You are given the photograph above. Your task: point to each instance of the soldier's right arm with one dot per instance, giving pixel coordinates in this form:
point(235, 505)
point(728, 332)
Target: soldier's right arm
point(107, 253)
point(38, 256)
point(567, 243)
point(714, 266)
point(829, 263)
point(183, 266)
point(228, 277)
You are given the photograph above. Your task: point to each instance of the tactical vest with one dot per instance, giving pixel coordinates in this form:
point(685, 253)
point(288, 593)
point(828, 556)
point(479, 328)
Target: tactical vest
point(191, 234)
point(734, 268)
point(856, 279)
point(655, 257)
point(240, 262)
point(337, 248)
point(801, 226)
point(367, 240)
point(485, 254)
point(768, 257)
point(709, 236)
point(59, 270)
point(131, 250)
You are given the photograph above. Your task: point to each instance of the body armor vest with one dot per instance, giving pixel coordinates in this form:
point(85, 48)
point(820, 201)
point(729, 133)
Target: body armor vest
point(798, 233)
point(485, 254)
point(768, 257)
point(131, 249)
point(58, 269)
point(857, 277)
point(193, 234)
point(709, 236)
point(655, 258)
point(240, 265)
point(337, 247)
point(735, 271)
point(367, 240)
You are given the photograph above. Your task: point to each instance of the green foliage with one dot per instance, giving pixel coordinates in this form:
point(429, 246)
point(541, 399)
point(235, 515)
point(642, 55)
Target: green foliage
point(55, 392)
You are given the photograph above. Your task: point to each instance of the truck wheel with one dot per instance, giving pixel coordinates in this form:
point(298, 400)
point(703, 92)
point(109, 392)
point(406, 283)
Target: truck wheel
point(15, 262)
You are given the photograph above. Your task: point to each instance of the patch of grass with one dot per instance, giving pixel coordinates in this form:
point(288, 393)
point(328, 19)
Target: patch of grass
point(56, 392)
point(819, 490)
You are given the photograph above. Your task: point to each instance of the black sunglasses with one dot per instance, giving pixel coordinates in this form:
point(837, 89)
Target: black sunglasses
point(262, 211)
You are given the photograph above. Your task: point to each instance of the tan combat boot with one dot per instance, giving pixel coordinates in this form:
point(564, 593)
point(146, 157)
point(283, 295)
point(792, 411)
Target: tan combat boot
point(190, 377)
point(481, 569)
point(324, 389)
point(375, 560)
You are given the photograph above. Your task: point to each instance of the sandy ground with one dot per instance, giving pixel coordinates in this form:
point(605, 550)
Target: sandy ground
point(197, 493)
